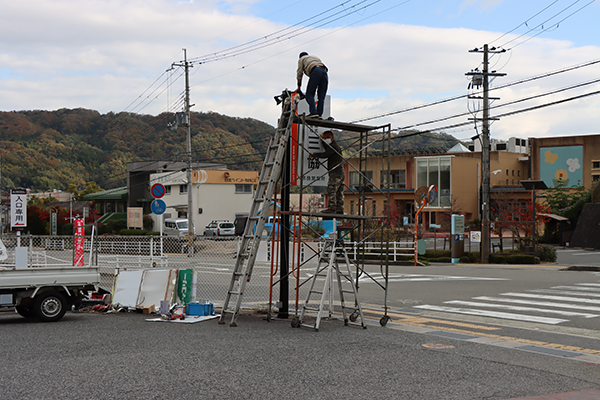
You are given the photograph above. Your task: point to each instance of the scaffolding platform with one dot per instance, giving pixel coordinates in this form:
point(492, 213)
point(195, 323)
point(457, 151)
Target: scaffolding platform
point(327, 123)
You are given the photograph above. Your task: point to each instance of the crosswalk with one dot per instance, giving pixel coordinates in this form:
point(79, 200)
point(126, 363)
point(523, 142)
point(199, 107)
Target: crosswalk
point(555, 305)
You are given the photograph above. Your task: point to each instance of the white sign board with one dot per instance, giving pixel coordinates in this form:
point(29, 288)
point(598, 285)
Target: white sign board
point(18, 209)
point(475, 237)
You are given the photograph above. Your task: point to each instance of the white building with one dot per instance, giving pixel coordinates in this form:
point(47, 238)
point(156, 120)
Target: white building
point(216, 195)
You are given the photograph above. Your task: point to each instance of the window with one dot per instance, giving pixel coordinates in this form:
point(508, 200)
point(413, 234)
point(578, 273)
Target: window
point(243, 188)
point(435, 171)
point(356, 178)
point(596, 178)
point(374, 208)
point(167, 189)
point(397, 179)
point(351, 207)
point(595, 164)
point(182, 189)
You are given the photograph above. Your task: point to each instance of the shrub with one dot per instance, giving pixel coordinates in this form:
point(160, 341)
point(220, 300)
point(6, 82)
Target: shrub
point(546, 253)
point(513, 259)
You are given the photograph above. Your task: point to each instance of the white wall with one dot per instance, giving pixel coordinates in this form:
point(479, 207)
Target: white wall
point(218, 202)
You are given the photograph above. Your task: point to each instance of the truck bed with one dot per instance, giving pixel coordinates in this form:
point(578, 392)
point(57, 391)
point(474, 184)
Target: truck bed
point(11, 278)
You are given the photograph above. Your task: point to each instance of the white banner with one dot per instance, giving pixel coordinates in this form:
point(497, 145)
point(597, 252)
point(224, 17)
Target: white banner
point(18, 208)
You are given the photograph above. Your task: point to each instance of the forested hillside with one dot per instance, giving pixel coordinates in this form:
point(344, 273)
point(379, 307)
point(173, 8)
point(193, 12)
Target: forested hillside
point(44, 150)
point(52, 149)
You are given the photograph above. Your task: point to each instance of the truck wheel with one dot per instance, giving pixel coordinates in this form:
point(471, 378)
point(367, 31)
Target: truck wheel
point(49, 306)
point(25, 311)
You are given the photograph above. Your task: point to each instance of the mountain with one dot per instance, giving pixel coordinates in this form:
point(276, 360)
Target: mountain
point(44, 150)
point(50, 149)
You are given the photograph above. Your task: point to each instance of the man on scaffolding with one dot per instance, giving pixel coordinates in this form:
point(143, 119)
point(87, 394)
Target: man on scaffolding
point(335, 165)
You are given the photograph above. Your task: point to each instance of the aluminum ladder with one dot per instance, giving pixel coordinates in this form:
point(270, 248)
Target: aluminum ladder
point(331, 255)
point(269, 175)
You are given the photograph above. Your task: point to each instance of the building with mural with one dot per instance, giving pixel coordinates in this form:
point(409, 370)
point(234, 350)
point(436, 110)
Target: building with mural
point(571, 161)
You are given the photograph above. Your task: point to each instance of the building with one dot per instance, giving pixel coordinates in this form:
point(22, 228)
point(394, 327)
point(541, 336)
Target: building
point(216, 195)
point(574, 161)
point(456, 173)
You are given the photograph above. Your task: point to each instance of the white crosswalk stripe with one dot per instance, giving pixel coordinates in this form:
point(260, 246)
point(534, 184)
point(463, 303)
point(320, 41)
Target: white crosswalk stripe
point(532, 306)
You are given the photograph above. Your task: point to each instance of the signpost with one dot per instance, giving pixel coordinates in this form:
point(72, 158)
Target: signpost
point(158, 206)
point(18, 208)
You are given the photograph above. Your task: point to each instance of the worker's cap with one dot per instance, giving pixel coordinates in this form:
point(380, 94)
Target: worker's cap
point(303, 54)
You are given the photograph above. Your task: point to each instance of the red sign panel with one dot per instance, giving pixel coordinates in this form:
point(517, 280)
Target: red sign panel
point(79, 242)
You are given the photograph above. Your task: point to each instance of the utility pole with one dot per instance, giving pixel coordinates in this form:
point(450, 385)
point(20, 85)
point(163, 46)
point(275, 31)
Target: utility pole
point(482, 79)
point(187, 123)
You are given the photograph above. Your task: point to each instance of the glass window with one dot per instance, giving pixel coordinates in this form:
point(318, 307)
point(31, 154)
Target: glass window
point(182, 189)
point(243, 188)
point(397, 179)
point(355, 179)
point(595, 164)
point(421, 172)
point(168, 189)
point(435, 171)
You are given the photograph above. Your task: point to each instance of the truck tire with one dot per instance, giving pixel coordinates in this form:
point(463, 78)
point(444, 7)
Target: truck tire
point(49, 306)
point(25, 311)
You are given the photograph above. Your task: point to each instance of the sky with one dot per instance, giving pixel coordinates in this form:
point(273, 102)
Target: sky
point(398, 62)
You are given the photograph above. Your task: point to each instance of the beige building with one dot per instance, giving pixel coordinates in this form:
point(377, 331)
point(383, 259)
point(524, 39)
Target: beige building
point(456, 174)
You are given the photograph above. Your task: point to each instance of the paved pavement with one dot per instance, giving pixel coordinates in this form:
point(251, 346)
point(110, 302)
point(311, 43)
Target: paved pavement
point(122, 356)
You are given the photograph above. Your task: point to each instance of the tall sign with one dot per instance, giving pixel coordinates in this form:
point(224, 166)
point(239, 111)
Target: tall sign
point(79, 223)
point(18, 208)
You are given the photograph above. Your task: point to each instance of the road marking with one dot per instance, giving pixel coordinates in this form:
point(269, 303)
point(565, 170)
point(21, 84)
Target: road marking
point(421, 321)
point(558, 298)
point(551, 291)
point(519, 308)
point(589, 284)
point(538, 303)
point(584, 289)
point(394, 277)
point(413, 320)
point(493, 314)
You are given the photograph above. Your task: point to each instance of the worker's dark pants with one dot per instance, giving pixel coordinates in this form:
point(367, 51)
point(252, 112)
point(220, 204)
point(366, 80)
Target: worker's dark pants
point(318, 79)
point(335, 192)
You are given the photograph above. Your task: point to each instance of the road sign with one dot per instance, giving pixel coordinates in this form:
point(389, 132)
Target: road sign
point(157, 190)
point(158, 207)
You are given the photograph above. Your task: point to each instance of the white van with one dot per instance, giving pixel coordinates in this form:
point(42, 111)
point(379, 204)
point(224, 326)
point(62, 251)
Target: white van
point(176, 227)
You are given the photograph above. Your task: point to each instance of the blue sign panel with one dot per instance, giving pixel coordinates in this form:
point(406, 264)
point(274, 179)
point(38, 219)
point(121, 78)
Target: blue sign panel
point(158, 207)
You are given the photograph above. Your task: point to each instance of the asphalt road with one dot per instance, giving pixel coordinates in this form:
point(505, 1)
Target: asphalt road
point(122, 356)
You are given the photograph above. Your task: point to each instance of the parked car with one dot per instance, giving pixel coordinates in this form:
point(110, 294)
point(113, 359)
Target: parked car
point(176, 227)
point(220, 228)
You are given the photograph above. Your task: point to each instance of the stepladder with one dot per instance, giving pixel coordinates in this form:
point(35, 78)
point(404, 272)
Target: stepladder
point(333, 264)
point(252, 236)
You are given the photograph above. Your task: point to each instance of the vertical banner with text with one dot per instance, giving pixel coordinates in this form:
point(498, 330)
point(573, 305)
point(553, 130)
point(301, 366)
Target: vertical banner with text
point(18, 208)
point(79, 242)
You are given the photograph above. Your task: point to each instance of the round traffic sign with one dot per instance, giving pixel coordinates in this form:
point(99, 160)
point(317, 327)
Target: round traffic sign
point(157, 190)
point(158, 207)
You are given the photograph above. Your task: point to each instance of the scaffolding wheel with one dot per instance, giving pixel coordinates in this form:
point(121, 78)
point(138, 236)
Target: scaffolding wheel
point(384, 320)
point(354, 316)
point(295, 322)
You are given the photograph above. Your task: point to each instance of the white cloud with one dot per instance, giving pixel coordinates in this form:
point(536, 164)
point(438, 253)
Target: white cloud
point(103, 55)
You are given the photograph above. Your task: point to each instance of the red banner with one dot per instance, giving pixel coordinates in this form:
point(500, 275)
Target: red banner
point(79, 241)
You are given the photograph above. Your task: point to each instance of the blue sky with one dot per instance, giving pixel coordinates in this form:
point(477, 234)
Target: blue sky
point(384, 56)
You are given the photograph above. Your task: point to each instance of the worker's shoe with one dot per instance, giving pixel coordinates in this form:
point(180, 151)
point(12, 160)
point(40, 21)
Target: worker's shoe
point(313, 116)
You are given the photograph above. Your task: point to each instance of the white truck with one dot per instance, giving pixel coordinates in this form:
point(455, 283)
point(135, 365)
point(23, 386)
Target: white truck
point(45, 293)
